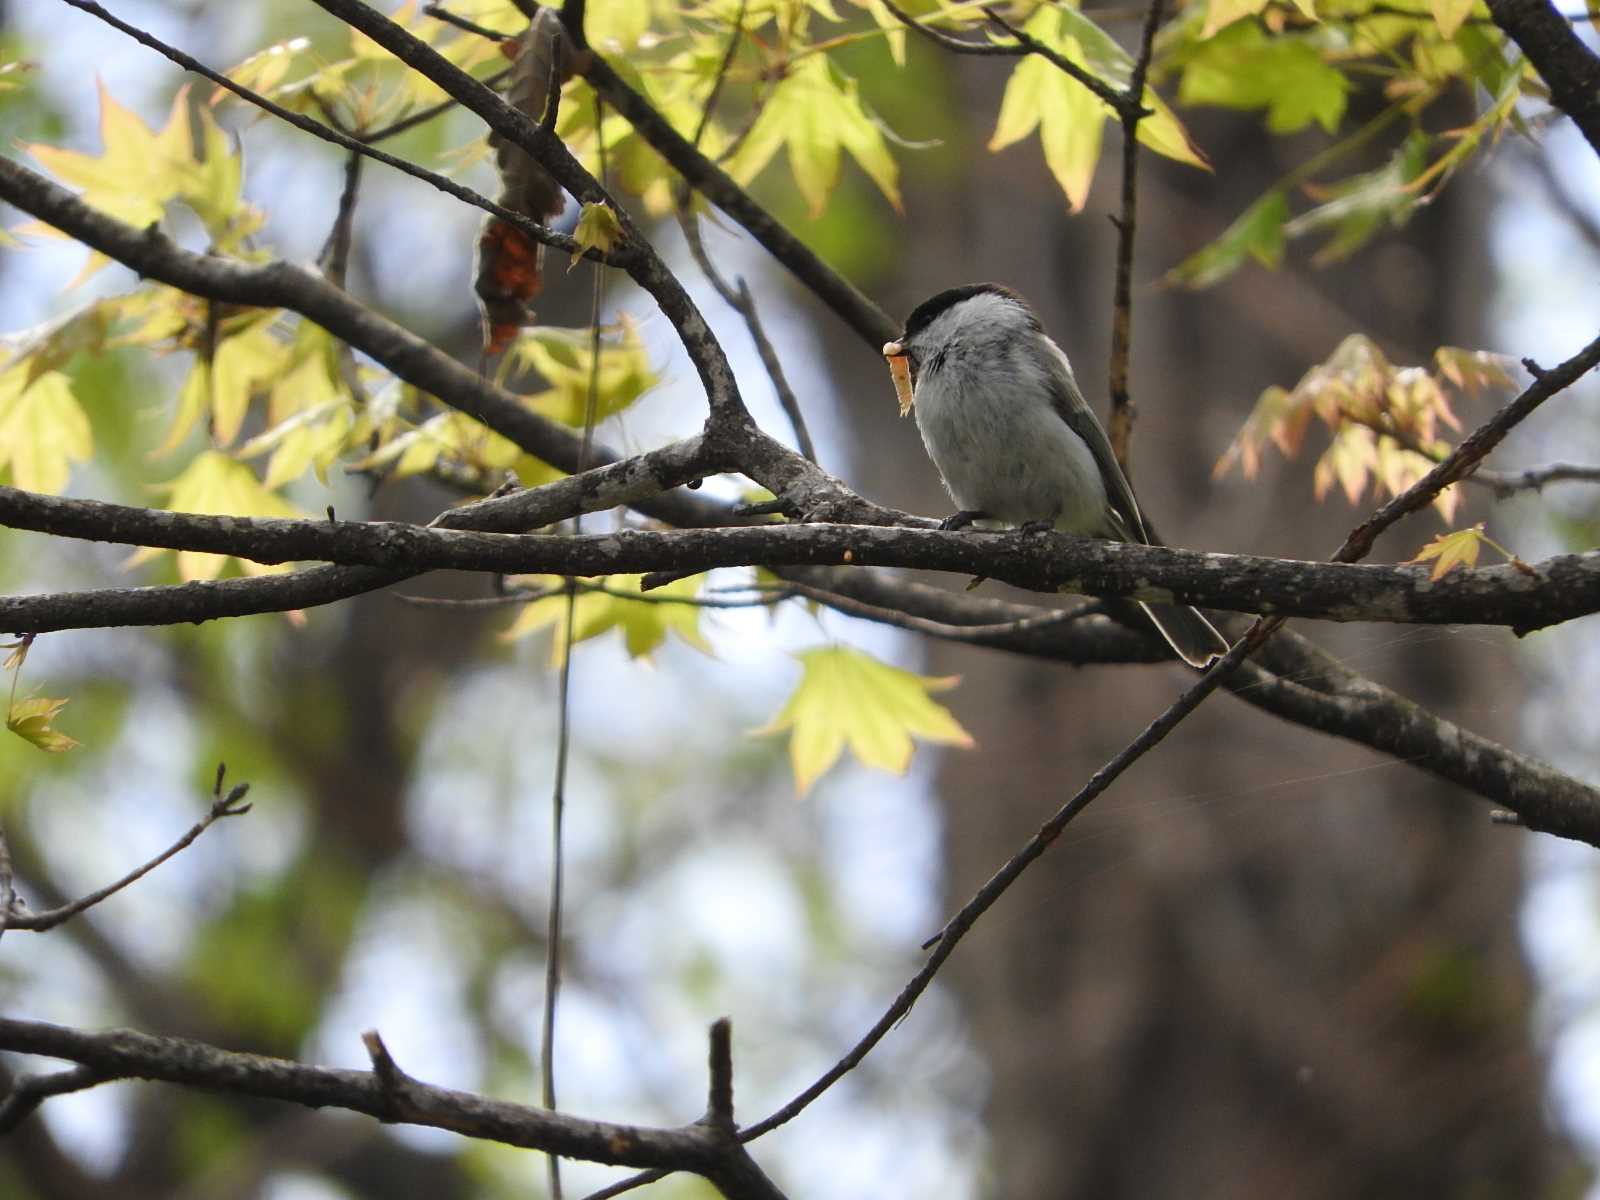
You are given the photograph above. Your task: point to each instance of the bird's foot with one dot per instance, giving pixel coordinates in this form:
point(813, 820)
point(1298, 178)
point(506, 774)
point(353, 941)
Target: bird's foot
point(1033, 527)
point(962, 519)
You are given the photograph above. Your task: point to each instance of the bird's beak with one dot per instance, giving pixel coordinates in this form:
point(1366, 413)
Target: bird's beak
point(900, 372)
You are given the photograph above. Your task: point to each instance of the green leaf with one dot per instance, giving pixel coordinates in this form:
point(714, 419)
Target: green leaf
point(1449, 14)
point(813, 113)
point(565, 359)
point(310, 440)
point(43, 429)
point(30, 719)
point(849, 699)
point(1256, 234)
point(242, 365)
point(644, 623)
point(1222, 13)
point(138, 169)
point(1364, 204)
point(456, 438)
point(1244, 68)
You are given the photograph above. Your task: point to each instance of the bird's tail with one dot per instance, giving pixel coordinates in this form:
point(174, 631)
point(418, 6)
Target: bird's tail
point(1194, 638)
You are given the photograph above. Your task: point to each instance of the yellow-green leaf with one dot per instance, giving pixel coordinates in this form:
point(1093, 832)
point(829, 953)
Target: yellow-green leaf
point(43, 429)
point(1246, 68)
point(1449, 14)
point(597, 228)
point(457, 438)
point(1222, 13)
point(264, 70)
point(565, 360)
point(813, 113)
point(644, 623)
point(1105, 58)
point(139, 170)
point(1450, 550)
point(1257, 234)
point(30, 719)
point(1068, 116)
point(849, 699)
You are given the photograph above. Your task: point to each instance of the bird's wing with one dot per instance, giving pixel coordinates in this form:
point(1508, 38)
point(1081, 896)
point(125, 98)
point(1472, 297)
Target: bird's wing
point(1070, 405)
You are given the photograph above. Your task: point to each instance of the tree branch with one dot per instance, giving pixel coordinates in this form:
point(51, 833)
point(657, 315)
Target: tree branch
point(945, 942)
point(392, 1096)
point(1130, 111)
point(1562, 588)
point(30, 1091)
point(230, 805)
point(1472, 451)
point(1290, 679)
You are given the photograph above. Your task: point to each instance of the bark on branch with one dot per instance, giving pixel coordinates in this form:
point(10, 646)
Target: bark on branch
point(127, 1054)
point(1558, 589)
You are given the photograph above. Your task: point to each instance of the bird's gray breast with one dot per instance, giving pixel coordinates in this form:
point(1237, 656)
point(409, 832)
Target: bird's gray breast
point(1001, 447)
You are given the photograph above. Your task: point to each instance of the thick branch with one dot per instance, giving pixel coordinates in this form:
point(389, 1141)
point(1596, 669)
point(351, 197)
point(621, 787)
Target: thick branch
point(1560, 589)
point(1293, 680)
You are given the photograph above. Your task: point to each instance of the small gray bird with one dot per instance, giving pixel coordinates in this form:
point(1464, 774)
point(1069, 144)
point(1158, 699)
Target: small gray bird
point(1013, 437)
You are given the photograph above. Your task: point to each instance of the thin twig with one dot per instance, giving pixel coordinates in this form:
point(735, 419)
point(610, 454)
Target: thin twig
point(558, 791)
point(743, 302)
point(950, 936)
point(31, 1091)
point(715, 94)
point(1507, 482)
point(439, 13)
point(1466, 457)
point(230, 805)
point(1130, 110)
point(719, 1102)
point(335, 255)
point(424, 115)
point(949, 41)
point(629, 1184)
point(8, 885)
point(767, 598)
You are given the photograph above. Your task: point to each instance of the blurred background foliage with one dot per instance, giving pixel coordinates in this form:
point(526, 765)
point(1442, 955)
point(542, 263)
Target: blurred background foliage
point(1271, 965)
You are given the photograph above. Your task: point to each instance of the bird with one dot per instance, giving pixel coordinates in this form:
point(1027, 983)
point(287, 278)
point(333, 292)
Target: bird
point(1013, 439)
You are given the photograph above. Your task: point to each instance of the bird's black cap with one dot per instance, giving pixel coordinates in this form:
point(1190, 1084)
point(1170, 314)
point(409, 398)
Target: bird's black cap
point(923, 314)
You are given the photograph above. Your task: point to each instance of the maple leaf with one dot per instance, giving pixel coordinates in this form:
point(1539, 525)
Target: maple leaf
point(849, 699)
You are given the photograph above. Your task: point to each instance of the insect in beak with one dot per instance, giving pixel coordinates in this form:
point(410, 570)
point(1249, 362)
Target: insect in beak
point(900, 372)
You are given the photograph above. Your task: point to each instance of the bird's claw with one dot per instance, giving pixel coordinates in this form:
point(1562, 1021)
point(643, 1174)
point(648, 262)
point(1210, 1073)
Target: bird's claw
point(960, 520)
